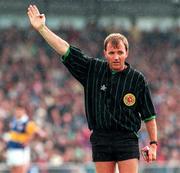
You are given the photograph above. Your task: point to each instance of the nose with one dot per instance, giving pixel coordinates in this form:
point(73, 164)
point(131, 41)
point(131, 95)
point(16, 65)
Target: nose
point(116, 58)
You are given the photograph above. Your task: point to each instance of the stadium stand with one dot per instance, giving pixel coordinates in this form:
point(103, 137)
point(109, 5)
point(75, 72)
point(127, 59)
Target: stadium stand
point(30, 71)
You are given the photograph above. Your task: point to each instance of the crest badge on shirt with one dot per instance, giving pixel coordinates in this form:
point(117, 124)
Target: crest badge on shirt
point(129, 99)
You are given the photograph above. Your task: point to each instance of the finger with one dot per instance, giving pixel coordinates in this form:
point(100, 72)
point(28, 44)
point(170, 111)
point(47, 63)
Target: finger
point(31, 9)
point(36, 9)
point(153, 158)
point(146, 159)
point(30, 14)
point(149, 157)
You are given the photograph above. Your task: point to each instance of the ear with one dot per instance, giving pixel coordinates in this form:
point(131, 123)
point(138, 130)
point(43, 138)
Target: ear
point(127, 53)
point(104, 51)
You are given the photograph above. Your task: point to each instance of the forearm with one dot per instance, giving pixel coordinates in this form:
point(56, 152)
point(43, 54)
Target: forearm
point(152, 129)
point(60, 45)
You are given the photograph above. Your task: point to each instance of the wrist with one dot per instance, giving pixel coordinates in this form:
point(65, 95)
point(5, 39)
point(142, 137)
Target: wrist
point(41, 28)
point(153, 143)
point(153, 146)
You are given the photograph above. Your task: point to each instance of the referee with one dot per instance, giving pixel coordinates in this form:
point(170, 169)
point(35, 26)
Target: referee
point(117, 98)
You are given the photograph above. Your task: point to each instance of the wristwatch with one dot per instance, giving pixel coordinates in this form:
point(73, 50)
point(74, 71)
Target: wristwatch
point(153, 142)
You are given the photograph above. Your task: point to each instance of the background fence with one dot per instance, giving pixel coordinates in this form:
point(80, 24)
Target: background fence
point(89, 168)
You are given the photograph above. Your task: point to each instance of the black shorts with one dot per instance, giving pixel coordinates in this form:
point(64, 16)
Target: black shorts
point(114, 146)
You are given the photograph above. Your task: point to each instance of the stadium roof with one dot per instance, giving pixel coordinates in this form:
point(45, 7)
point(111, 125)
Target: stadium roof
point(131, 8)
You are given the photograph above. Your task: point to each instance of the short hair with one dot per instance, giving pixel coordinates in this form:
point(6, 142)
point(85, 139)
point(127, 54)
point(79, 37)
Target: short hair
point(114, 39)
point(19, 104)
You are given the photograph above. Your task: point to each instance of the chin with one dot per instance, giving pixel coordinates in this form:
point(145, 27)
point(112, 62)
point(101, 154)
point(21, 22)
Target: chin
point(116, 68)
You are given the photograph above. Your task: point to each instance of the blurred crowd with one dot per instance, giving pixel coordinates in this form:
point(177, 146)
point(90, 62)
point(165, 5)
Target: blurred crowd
point(31, 72)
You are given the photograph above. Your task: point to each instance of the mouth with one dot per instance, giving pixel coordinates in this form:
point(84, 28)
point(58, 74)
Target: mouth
point(116, 63)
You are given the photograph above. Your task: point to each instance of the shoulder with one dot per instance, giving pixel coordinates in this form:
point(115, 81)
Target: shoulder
point(98, 62)
point(139, 76)
point(31, 127)
point(138, 73)
point(75, 51)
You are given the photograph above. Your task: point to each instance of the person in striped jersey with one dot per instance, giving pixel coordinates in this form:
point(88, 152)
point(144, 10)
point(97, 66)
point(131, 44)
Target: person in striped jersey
point(117, 98)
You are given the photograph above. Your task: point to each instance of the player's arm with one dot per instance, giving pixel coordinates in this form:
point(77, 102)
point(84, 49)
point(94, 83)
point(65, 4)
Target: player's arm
point(37, 20)
point(31, 130)
point(151, 127)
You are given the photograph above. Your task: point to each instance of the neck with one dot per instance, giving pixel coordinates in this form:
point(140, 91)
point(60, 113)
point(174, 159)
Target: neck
point(118, 70)
point(124, 67)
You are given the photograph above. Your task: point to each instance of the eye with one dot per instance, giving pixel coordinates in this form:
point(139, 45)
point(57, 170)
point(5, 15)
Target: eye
point(120, 52)
point(111, 53)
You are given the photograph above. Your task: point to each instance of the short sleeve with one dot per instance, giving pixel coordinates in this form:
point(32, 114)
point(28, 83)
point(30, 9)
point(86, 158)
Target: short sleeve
point(31, 128)
point(77, 63)
point(145, 104)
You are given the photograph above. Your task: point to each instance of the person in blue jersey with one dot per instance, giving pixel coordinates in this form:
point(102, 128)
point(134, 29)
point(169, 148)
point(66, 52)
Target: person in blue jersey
point(117, 99)
point(18, 138)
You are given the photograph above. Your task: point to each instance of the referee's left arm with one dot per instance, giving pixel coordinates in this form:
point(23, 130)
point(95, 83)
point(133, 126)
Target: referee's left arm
point(148, 115)
point(151, 127)
point(152, 131)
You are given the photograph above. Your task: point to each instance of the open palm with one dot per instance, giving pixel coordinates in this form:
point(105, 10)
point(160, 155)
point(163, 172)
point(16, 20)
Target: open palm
point(36, 19)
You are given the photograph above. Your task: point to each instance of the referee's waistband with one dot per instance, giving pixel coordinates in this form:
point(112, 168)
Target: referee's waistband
point(111, 131)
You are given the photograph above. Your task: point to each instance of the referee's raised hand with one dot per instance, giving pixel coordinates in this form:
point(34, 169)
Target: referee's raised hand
point(37, 20)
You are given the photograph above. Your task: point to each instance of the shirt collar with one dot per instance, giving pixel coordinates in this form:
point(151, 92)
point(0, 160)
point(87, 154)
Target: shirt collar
point(123, 71)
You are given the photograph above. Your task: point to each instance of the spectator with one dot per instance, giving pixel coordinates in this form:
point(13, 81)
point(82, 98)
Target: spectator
point(50, 87)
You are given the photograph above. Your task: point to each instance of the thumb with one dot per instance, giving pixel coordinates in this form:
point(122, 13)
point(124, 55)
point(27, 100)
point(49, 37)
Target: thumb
point(41, 15)
point(150, 156)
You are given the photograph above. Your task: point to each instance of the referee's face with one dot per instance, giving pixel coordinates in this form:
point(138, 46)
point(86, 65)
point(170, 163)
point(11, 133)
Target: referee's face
point(116, 55)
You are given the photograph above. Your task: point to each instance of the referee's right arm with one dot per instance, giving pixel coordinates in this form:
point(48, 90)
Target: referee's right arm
point(37, 20)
